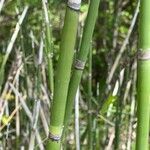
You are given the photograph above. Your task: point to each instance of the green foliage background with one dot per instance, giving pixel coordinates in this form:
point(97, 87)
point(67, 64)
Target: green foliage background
point(115, 16)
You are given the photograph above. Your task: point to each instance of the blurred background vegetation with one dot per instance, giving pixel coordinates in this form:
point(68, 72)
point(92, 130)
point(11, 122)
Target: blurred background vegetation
point(113, 101)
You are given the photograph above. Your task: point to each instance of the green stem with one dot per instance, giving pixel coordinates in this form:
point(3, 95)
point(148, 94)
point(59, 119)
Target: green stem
point(63, 77)
point(82, 56)
point(90, 127)
point(117, 124)
point(143, 87)
point(48, 49)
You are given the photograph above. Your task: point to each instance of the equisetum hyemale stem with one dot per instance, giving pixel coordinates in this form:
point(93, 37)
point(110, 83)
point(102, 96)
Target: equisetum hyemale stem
point(81, 57)
point(143, 74)
point(63, 74)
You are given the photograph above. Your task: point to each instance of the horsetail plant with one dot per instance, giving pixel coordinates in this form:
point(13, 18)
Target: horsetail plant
point(90, 121)
point(81, 57)
point(143, 75)
point(48, 47)
point(63, 74)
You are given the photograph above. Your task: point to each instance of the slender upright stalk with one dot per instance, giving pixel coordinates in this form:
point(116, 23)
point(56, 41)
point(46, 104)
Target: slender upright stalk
point(17, 117)
point(117, 124)
point(77, 132)
point(90, 127)
point(63, 74)
point(81, 58)
point(48, 48)
point(143, 75)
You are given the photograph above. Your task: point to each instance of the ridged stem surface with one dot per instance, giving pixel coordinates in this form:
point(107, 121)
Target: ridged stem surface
point(63, 76)
point(143, 87)
point(82, 56)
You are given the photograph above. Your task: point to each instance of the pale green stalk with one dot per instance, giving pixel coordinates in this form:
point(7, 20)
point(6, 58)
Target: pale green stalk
point(63, 77)
point(90, 120)
point(143, 75)
point(82, 57)
point(48, 48)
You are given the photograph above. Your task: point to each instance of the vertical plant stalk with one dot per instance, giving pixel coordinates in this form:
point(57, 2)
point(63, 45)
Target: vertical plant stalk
point(77, 132)
point(132, 111)
point(17, 116)
point(143, 76)
point(36, 108)
point(81, 58)
point(34, 124)
point(90, 126)
point(48, 48)
point(17, 103)
point(119, 106)
point(63, 74)
point(117, 13)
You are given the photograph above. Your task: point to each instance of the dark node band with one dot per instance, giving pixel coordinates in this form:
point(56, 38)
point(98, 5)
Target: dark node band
point(79, 64)
point(143, 54)
point(74, 6)
point(54, 137)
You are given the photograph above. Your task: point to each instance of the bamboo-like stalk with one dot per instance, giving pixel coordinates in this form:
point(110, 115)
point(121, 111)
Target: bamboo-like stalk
point(90, 127)
point(63, 74)
point(143, 75)
point(48, 48)
point(17, 116)
point(81, 58)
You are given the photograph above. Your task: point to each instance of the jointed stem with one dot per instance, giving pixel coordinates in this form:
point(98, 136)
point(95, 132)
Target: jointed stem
point(143, 87)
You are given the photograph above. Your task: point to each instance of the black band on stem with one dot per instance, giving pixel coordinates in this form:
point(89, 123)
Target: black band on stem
point(54, 137)
point(144, 54)
point(74, 6)
point(79, 64)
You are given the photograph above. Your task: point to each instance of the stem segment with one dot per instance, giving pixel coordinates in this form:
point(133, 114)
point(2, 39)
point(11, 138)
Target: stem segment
point(62, 78)
point(81, 58)
point(90, 120)
point(143, 87)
